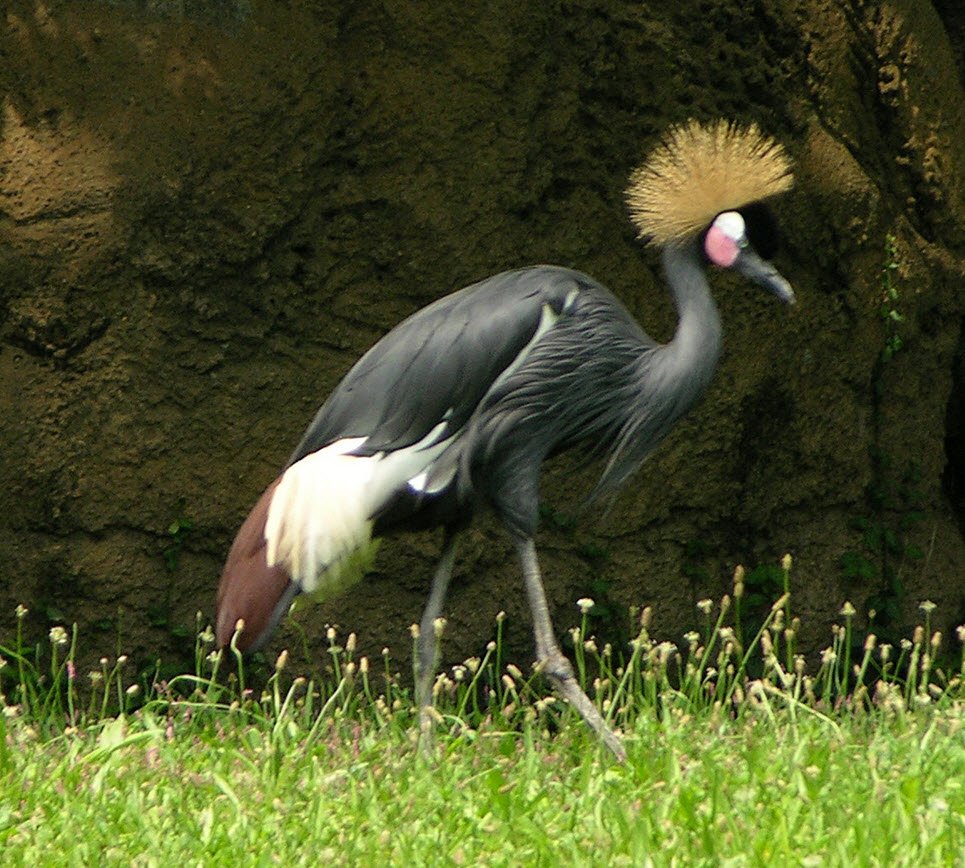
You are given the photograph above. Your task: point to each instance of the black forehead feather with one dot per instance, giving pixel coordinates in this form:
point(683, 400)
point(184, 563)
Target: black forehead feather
point(762, 229)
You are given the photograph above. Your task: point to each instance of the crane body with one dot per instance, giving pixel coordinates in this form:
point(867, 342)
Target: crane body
point(457, 408)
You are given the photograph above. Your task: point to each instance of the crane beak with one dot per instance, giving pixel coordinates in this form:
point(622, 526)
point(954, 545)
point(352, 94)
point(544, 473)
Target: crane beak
point(753, 267)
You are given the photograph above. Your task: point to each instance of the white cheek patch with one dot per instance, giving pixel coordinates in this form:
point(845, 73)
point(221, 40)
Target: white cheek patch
point(732, 225)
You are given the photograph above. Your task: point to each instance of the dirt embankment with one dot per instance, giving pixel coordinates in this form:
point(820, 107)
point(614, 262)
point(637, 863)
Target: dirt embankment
point(204, 220)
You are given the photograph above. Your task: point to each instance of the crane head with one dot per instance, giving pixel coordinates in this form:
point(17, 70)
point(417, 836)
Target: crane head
point(745, 240)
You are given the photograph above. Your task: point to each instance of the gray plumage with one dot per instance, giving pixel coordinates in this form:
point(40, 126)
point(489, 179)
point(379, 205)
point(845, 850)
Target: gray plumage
point(446, 363)
point(458, 407)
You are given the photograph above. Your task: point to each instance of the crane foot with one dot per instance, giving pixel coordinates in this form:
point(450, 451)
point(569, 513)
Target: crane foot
point(559, 673)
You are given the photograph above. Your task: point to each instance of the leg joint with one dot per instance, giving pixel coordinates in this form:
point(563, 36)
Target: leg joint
point(556, 667)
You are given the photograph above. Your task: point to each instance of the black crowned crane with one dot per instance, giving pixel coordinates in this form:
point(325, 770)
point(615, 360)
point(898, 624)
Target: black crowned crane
point(457, 407)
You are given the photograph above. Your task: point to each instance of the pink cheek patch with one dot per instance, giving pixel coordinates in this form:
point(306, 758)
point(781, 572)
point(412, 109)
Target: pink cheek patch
point(720, 248)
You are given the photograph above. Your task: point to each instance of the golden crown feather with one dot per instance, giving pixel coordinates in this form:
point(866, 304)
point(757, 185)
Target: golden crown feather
point(699, 171)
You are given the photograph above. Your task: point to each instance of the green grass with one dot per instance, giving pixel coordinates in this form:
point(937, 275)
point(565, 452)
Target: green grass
point(696, 788)
point(861, 762)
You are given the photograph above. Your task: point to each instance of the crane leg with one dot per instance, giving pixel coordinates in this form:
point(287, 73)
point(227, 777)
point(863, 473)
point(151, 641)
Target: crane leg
point(427, 658)
point(556, 667)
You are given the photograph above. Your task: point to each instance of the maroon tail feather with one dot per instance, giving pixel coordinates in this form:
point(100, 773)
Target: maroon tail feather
point(249, 588)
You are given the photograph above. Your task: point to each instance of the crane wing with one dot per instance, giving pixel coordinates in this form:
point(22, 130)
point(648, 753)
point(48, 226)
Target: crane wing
point(437, 365)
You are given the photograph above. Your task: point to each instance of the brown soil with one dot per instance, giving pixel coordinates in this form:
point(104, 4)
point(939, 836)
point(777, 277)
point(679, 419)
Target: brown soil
point(206, 217)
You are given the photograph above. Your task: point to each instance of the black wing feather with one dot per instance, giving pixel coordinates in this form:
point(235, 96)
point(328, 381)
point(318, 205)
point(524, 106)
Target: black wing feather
point(444, 358)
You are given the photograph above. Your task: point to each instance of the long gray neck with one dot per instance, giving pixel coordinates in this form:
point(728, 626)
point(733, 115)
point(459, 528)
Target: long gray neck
point(669, 378)
point(691, 357)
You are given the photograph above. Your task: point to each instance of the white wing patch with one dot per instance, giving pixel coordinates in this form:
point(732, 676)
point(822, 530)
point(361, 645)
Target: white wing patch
point(319, 521)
